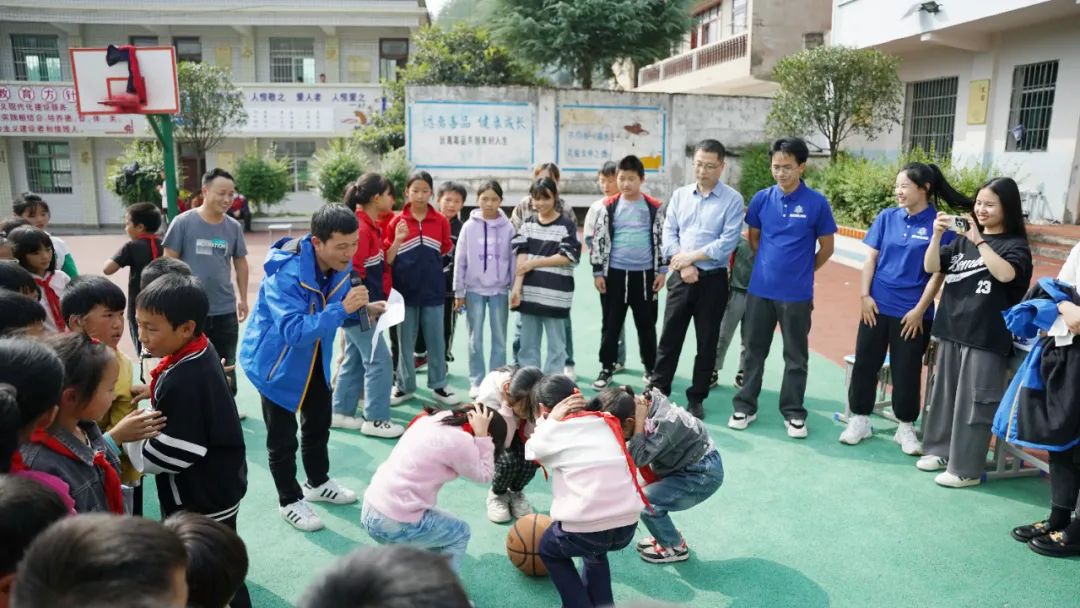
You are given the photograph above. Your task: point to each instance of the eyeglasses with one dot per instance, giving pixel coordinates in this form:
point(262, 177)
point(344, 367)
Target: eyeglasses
point(707, 166)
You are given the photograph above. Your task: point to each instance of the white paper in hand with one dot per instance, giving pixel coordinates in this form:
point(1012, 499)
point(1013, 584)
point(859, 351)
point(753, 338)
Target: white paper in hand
point(395, 314)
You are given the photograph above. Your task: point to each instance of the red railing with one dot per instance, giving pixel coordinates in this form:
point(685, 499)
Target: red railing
point(706, 56)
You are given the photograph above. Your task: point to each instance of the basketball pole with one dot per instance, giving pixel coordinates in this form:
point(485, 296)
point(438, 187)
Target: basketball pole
point(163, 127)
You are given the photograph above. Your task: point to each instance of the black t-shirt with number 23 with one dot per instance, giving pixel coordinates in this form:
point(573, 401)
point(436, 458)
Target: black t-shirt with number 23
point(973, 300)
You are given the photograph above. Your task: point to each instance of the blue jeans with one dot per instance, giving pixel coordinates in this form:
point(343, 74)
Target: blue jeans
point(496, 308)
point(359, 375)
point(593, 586)
point(678, 492)
point(533, 327)
point(429, 320)
point(437, 531)
point(569, 343)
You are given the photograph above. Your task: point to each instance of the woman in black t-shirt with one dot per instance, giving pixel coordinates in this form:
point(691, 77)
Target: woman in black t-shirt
point(987, 270)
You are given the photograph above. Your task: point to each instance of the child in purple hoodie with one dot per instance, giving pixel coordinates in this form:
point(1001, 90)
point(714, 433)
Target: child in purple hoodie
point(483, 275)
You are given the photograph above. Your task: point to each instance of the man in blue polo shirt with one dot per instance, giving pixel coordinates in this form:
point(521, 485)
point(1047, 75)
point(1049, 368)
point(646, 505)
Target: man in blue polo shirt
point(701, 230)
point(787, 221)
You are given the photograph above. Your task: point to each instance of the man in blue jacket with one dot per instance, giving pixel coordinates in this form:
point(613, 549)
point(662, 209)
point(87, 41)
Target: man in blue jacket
point(304, 298)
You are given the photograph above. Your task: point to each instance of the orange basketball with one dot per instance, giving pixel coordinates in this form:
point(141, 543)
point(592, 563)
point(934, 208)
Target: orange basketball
point(523, 543)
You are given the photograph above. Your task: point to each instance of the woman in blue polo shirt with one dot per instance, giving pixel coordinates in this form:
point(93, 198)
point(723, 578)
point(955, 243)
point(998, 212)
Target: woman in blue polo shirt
point(898, 303)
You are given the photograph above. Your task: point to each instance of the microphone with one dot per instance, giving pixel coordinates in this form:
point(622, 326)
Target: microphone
point(354, 279)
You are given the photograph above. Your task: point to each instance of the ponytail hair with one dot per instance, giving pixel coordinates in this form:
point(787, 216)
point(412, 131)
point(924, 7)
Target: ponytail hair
point(551, 168)
point(31, 380)
point(459, 416)
point(550, 390)
point(519, 388)
point(490, 185)
point(85, 360)
point(615, 400)
point(1006, 189)
point(929, 177)
point(364, 189)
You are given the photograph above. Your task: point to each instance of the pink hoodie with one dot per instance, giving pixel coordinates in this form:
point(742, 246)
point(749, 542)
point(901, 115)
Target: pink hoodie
point(491, 395)
point(591, 486)
point(425, 458)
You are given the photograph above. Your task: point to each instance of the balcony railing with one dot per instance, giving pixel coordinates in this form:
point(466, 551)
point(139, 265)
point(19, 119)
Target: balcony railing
point(699, 58)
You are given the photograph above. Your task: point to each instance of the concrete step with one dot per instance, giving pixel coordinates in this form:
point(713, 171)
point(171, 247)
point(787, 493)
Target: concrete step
point(1053, 251)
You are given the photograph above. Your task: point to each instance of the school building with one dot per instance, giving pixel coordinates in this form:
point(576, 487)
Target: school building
point(308, 71)
point(993, 81)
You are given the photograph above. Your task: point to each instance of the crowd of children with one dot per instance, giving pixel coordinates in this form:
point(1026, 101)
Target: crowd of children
point(75, 439)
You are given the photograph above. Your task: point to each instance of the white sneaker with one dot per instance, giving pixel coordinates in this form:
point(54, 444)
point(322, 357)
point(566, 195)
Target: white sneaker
point(382, 428)
point(949, 480)
point(330, 492)
point(519, 504)
point(399, 396)
point(445, 396)
point(796, 429)
point(474, 392)
point(930, 463)
point(498, 507)
point(858, 428)
point(619, 367)
point(300, 515)
point(568, 371)
point(905, 436)
point(740, 421)
point(341, 421)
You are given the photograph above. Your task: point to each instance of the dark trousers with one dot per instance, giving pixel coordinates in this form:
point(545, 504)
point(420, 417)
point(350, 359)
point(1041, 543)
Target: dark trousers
point(593, 586)
point(905, 365)
point(133, 327)
point(703, 302)
point(281, 442)
point(1065, 478)
point(449, 324)
point(223, 332)
point(759, 322)
point(512, 471)
point(629, 290)
point(242, 599)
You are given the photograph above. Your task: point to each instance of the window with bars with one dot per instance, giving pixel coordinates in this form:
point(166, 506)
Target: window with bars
point(707, 26)
point(930, 115)
point(188, 49)
point(1032, 103)
point(292, 60)
point(393, 55)
point(48, 166)
point(143, 40)
point(37, 57)
point(297, 154)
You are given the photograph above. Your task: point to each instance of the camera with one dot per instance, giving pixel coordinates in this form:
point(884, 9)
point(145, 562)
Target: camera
point(960, 224)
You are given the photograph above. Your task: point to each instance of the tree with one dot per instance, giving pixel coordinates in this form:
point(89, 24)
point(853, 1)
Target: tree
point(588, 37)
point(475, 12)
point(836, 92)
point(263, 179)
point(464, 55)
point(210, 107)
point(142, 171)
point(336, 166)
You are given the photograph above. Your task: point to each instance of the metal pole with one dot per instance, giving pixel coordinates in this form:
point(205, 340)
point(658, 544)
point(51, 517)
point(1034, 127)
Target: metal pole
point(164, 132)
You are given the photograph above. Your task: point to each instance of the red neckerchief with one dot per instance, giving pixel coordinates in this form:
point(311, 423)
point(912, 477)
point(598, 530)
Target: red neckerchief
point(152, 239)
point(616, 428)
point(53, 300)
point(465, 427)
point(17, 463)
point(168, 361)
point(114, 494)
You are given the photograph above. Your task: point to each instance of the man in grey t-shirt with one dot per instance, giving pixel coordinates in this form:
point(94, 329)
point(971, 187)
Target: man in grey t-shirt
point(212, 244)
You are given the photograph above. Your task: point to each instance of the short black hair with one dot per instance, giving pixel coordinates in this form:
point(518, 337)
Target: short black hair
point(147, 215)
point(101, 560)
point(331, 218)
point(26, 240)
point(12, 223)
point(550, 390)
point(27, 508)
point(545, 187)
point(492, 185)
point(632, 163)
point(215, 173)
point(792, 146)
point(713, 146)
point(608, 169)
point(178, 298)
point(160, 267)
point(28, 201)
point(380, 577)
point(86, 291)
point(217, 559)
point(16, 278)
point(420, 176)
point(20, 312)
point(451, 186)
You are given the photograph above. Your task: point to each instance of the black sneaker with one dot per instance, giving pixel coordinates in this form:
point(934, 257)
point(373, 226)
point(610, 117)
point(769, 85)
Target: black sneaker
point(449, 357)
point(714, 379)
point(697, 409)
point(604, 378)
point(445, 397)
point(739, 379)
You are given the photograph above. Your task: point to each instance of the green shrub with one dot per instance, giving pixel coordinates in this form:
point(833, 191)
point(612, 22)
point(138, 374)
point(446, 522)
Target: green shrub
point(140, 185)
point(263, 179)
point(754, 170)
point(335, 167)
point(395, 166)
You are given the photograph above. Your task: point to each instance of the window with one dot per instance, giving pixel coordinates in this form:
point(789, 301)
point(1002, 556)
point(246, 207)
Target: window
point(292, 60)
point(48, 167)
point(738, 17)
point(188, 49)
point(36, 57)
point(930, 115)
point(143, 41)
point(1032, 102)
point(707, 26)
point(393, 55)
point(297, 154)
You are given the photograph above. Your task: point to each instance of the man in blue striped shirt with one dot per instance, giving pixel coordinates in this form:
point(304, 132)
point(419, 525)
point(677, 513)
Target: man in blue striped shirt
point(701, 230)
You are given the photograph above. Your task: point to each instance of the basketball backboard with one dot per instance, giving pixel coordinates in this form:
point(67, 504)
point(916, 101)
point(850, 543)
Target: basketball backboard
point(101, 88)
